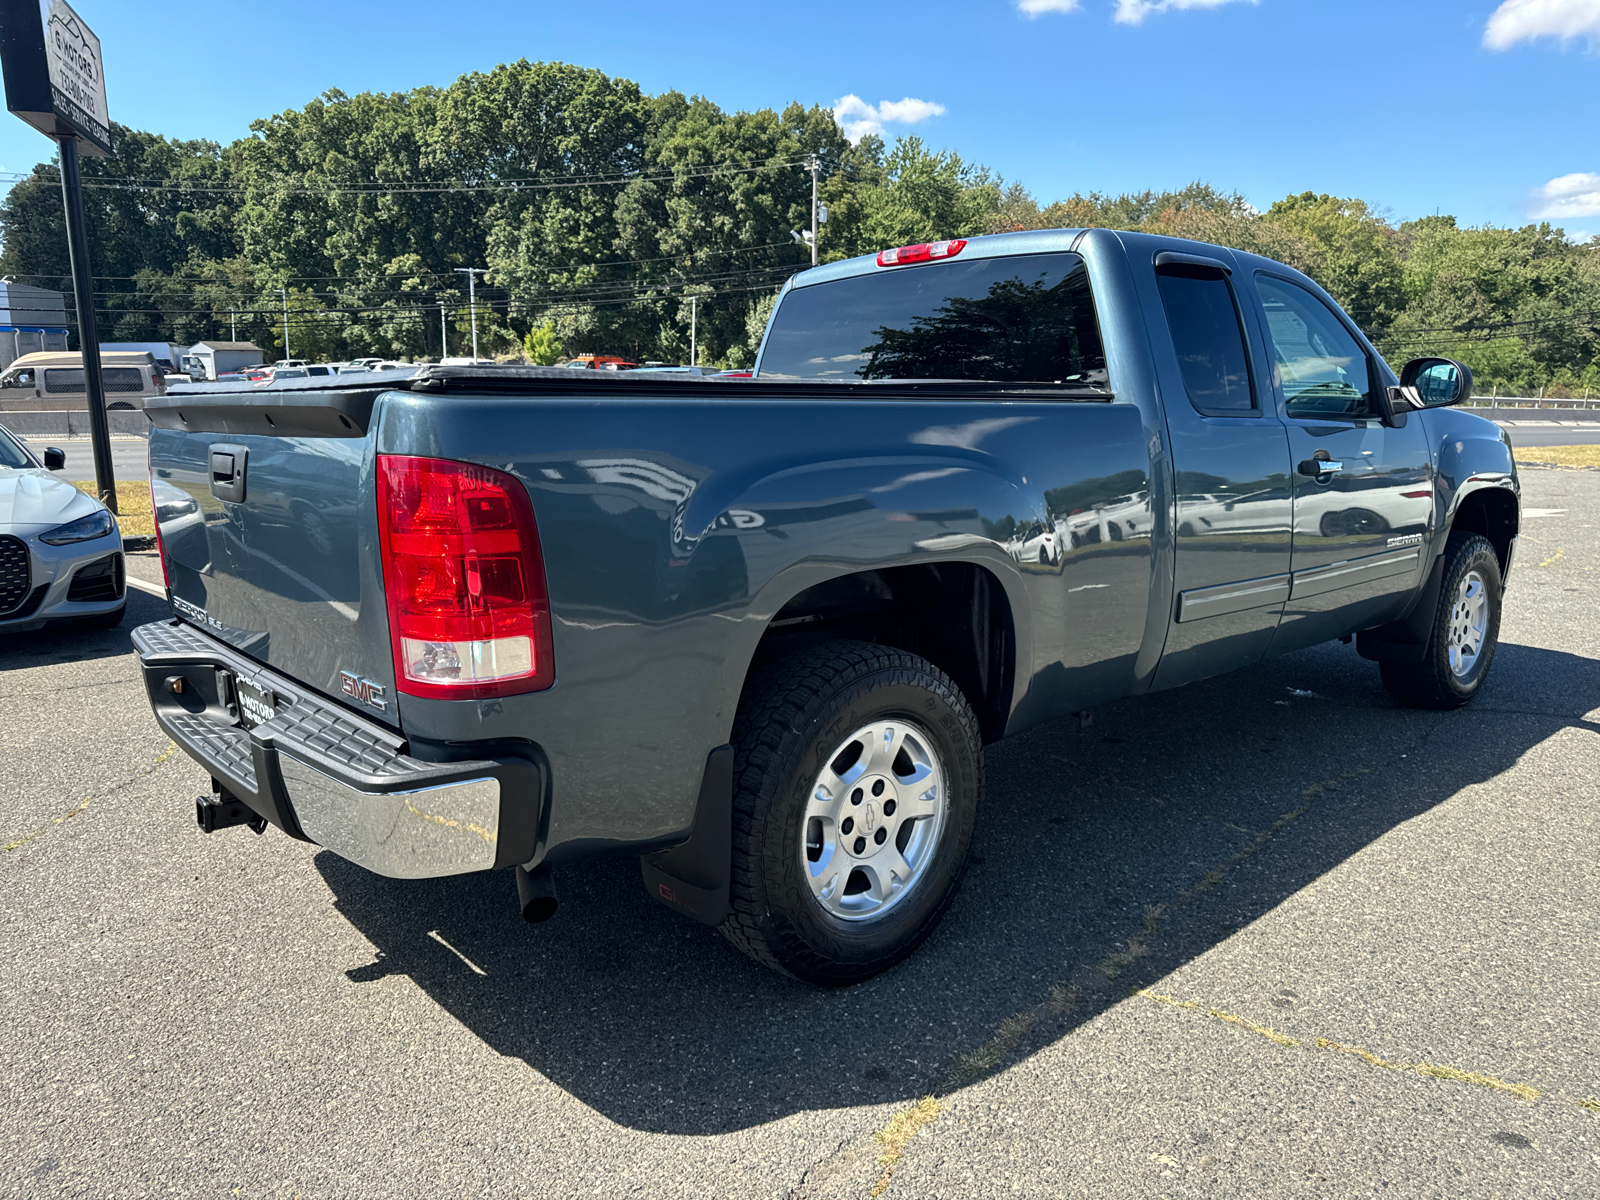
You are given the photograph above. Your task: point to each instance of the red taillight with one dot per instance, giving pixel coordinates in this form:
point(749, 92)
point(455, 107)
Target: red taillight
point(922, 252)
point(468, 612)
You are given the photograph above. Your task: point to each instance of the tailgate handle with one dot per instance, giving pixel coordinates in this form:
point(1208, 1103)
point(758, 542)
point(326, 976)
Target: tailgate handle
point(227, 471)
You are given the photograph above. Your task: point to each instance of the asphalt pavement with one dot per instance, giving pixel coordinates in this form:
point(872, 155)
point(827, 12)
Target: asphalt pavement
point(1266, 935)
point(130, 456)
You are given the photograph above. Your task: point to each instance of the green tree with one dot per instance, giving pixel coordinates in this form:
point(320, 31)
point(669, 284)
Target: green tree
point(1351, 252)
point(927, 196)
point(543, 345)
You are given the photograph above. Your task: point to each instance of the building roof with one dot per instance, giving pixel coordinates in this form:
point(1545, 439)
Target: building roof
point(228, 346)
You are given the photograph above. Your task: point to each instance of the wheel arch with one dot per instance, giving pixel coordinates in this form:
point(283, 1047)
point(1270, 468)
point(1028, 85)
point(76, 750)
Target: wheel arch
point(1493, 512)
point(956, 614)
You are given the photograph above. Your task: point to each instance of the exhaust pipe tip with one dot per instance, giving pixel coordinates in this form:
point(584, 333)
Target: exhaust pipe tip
point(536, 894)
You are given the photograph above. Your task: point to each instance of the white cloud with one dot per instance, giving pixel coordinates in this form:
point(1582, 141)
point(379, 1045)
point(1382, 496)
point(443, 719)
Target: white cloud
point(857, 118)
point(1035, 8)
point(1525, 20)
point(1133, 12)
point(1568, 196)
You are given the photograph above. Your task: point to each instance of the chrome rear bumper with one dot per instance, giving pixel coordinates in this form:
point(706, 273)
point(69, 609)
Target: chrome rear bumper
point(324, 774)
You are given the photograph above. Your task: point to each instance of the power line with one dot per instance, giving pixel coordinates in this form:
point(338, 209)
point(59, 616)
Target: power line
point(577, 266)
point(420, 188)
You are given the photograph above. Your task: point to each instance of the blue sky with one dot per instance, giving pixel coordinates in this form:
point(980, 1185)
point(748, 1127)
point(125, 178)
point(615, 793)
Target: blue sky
point(1472, 107)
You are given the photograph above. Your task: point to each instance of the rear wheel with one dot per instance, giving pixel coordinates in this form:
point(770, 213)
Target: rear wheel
point(857, 771)
point(1466, 630)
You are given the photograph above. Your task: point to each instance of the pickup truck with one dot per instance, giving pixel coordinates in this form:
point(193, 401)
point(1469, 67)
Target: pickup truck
point(758, 631)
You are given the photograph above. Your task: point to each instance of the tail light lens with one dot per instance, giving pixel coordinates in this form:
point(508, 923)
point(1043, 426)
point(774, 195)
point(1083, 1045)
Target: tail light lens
point(469, 614)
point(923, 252)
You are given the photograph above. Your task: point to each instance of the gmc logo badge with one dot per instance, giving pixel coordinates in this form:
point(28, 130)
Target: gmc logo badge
point(363, 690)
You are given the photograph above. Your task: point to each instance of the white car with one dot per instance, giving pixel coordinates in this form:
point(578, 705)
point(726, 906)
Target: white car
point(60, 550)
point(1035, 542)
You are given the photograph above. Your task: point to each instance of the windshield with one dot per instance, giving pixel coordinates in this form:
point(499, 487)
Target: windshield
point(13, 455)
point(1020, 319)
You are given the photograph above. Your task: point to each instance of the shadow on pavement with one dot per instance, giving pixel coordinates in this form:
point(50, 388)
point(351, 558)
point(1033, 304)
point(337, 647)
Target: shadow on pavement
point(660, 1026)
point(68, 642)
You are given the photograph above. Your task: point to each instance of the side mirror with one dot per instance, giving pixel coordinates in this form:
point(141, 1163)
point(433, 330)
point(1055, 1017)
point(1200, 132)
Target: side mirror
point(1435, 382)
point(55, 458)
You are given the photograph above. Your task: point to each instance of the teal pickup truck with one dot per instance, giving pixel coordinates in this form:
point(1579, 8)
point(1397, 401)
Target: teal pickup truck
point(758, 631)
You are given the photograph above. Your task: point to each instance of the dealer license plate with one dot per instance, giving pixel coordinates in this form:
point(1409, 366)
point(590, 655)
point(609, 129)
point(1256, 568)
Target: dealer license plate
point(256, 705)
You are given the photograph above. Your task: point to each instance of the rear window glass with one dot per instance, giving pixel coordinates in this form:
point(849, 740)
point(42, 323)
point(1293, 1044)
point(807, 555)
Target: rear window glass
point(114, 379)
point(1020, 319)
point(1209, 342)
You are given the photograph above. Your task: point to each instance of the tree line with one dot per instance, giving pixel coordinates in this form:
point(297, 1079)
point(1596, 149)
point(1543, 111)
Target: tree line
point(600, 212)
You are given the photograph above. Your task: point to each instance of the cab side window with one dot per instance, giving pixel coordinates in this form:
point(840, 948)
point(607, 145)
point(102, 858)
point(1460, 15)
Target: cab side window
point(1208, 336)
point(1322, 369)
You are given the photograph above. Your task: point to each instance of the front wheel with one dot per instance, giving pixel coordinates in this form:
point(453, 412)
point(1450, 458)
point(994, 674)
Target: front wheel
point(1466, 630)
point(857, 772)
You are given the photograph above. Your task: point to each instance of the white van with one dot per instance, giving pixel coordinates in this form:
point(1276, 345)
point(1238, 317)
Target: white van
point(54, 380)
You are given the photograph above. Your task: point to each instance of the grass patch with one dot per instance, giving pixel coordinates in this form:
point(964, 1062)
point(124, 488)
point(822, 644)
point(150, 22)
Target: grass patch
point(971, 1067)
point(1216, 1014)
point(902, 1127)
point(133, 499)
point(1561, 456)
point(1520, 1090)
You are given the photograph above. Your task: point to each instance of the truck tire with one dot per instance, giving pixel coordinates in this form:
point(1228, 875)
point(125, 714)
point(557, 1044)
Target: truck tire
point(856, 777)
point(1466, 629)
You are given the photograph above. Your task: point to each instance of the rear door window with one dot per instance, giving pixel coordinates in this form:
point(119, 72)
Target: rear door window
point(1208, 337)
point(1026, 318)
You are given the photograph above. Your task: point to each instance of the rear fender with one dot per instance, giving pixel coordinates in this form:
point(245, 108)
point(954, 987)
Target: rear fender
point(839, 519)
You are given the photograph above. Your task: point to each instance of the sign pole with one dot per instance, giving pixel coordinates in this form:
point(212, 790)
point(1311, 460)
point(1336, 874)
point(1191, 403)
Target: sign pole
point(105, 481)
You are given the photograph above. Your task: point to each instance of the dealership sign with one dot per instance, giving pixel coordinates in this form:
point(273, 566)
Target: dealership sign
point(54, 75)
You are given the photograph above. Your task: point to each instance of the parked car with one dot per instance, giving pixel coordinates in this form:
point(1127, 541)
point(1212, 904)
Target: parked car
point(60, 550)
point(1035, 542)
point(599, 362)
point(758, 632)
point(53, 379)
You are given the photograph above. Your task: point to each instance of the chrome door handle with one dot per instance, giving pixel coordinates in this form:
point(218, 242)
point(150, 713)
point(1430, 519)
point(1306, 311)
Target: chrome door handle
point(1319, 466)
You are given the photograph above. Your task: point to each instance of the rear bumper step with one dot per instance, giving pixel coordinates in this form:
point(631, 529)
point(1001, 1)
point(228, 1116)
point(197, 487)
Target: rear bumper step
point(321, 773)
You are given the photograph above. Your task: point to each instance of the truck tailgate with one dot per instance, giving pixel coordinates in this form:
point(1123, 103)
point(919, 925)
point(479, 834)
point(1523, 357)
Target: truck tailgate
point(271, 537)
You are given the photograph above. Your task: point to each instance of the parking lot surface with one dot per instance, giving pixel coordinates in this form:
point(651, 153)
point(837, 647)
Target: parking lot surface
point(1266, 935)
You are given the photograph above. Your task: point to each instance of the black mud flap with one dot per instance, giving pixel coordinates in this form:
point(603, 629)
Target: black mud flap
point(692, 877)
point(1406, 640)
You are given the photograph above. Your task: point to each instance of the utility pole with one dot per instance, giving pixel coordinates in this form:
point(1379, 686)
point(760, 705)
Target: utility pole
point(694, 347)
point(814, 165)
point(233, 322)
point(444, 341)
point(472, 274)
point(285, 292)
point(819, 214)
